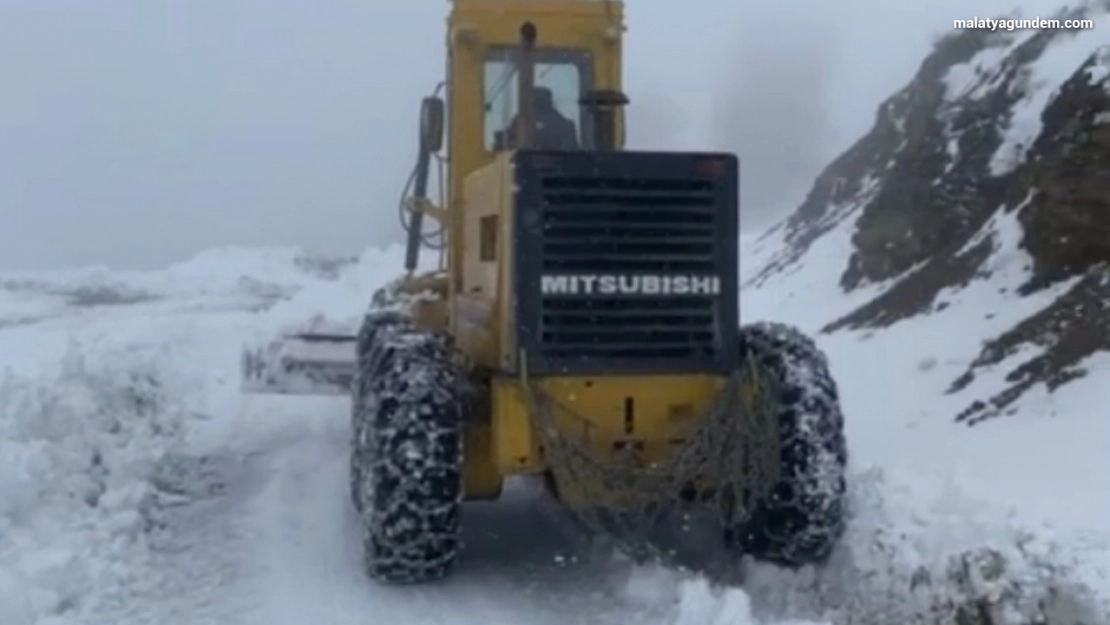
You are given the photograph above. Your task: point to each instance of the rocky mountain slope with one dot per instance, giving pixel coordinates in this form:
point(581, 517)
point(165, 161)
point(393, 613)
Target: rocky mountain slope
point(990, 169)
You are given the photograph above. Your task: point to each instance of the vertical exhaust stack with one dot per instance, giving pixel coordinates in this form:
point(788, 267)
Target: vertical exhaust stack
point(526, 87)
point(604, 106)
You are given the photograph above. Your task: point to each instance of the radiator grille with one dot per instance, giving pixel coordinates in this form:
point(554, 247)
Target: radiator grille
point(631, 227)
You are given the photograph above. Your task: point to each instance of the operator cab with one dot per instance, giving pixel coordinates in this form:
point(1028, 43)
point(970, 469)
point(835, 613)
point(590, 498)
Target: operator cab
point(567, 113)
point(561, 78)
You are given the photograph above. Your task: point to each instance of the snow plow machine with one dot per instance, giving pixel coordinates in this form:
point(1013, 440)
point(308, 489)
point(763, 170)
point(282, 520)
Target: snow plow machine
point(581, 324)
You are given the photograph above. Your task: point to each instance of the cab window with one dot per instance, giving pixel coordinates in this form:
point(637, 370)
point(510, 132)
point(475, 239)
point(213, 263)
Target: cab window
point(565, 74)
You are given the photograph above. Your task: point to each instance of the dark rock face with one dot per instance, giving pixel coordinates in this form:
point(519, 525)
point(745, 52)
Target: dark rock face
point(1067, 227)
point(1071, 329)
point(925, 200)
point(928, 185)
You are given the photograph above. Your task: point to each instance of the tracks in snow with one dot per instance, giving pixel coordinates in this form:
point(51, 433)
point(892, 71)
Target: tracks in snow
point(280, 546)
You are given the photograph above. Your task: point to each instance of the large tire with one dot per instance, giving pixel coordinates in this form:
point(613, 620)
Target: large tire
point(406, 456)
point(802, 518)
point(357, 453)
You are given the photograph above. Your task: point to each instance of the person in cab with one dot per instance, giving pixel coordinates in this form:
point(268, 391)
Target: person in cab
point(553, 131)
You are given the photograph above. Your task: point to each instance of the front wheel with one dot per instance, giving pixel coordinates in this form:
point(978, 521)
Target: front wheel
point(802, 517)
point(406, 463)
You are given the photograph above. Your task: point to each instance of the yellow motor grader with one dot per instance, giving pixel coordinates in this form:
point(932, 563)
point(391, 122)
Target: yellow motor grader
point(582, 323)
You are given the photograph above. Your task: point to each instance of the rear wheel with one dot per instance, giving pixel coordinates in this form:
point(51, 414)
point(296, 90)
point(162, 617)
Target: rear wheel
point(406, 457)
point(802, 518)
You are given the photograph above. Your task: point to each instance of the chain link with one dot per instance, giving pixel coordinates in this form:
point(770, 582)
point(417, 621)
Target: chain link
point(729, 464)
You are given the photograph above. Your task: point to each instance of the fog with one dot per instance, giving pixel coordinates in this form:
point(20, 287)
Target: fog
point(134, 133)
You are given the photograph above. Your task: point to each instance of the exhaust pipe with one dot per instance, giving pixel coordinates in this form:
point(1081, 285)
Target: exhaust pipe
point(604, 106)
point(526, 87)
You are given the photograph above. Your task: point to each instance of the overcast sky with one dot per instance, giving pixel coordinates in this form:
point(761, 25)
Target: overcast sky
point(135, 132)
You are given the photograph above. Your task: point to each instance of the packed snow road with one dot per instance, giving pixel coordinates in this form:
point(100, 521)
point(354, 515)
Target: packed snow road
point(301, 544)
point(278, 543)
point(138, 486)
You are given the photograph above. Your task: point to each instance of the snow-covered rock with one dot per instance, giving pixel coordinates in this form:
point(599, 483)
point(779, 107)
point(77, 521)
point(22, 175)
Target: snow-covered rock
point(953, 263)
point(988, 171)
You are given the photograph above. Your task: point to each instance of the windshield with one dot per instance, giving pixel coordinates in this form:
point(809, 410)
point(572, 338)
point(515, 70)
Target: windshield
point(565, 73)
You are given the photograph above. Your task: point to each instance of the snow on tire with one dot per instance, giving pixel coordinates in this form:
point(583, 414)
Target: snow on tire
point(357, 461)
point(406, 463)
point(802, 518)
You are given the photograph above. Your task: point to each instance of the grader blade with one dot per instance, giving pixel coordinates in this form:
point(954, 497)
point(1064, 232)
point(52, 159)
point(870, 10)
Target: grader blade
point(307, 363)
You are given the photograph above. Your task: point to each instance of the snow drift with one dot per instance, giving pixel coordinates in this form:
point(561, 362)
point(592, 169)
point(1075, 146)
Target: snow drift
point(106, 380)
point(75, 458)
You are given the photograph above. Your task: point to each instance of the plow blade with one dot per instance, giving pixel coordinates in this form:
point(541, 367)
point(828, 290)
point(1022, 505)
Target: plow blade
point(301, 364)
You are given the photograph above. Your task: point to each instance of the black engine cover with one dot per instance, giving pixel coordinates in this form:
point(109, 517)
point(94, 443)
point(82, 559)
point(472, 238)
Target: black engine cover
point(626, 262)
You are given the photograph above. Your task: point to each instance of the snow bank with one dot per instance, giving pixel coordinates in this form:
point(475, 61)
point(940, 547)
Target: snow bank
point(919, 551)
point(19, 309)
point(340, 303)
point(75, 456)
point(231, 270)
point(98, 405)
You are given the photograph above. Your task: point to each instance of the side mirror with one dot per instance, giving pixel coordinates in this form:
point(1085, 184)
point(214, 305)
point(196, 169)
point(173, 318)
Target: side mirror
point(431, 124)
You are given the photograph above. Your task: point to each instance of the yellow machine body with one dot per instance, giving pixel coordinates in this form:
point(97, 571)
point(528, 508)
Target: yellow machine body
point(649, 414)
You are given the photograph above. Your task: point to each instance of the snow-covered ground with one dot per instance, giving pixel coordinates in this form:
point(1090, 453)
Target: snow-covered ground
point(137, 485)
point(1038, 473)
